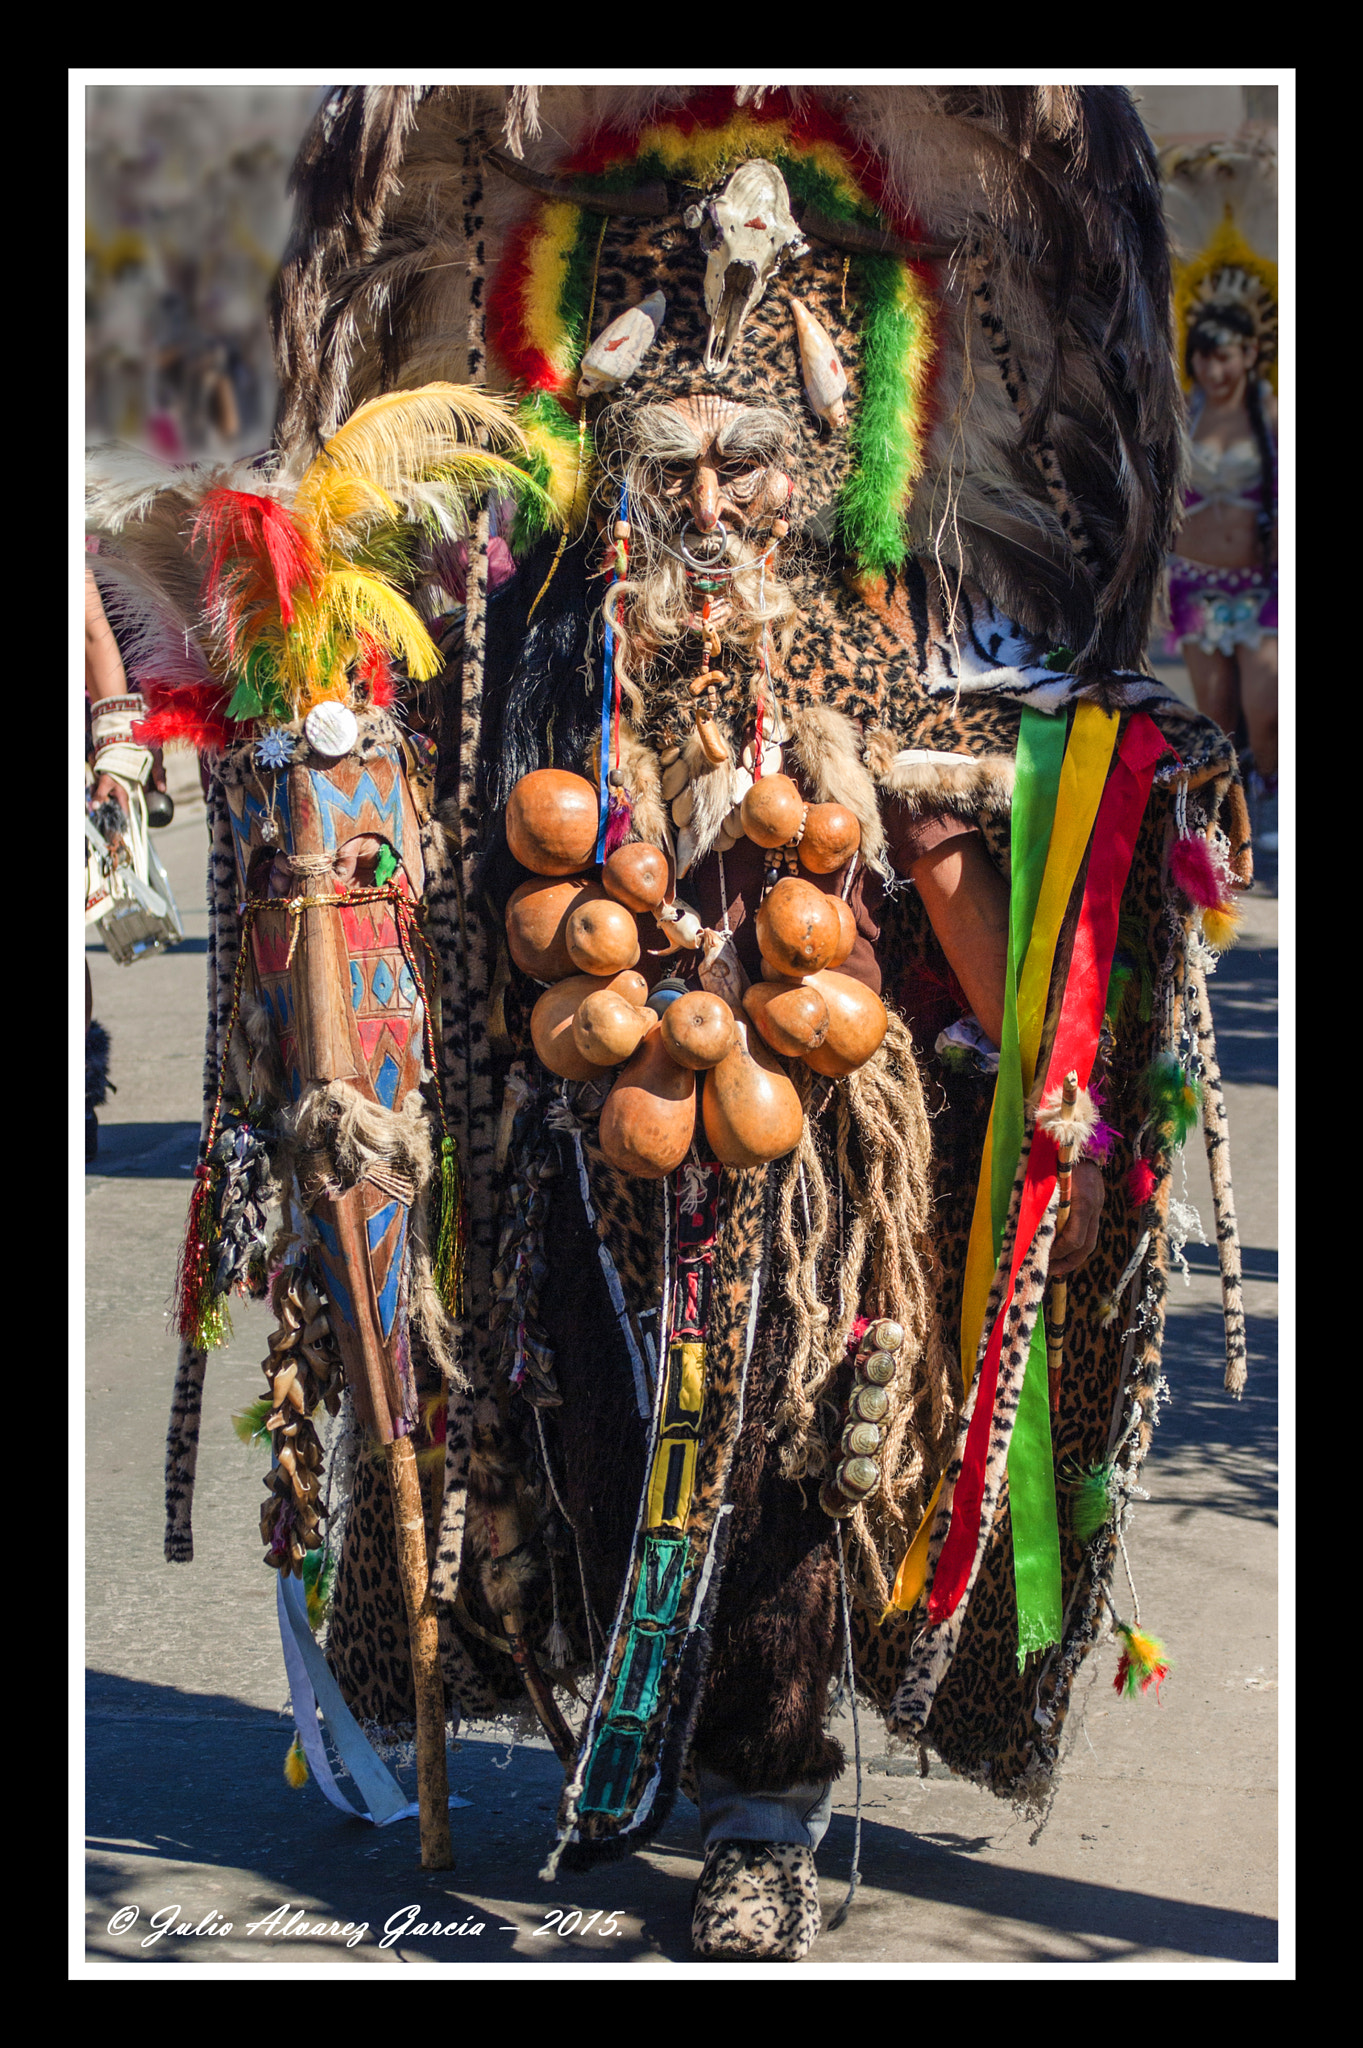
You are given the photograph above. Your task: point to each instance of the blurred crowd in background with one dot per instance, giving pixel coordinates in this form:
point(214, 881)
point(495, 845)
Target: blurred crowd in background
point(186, 220)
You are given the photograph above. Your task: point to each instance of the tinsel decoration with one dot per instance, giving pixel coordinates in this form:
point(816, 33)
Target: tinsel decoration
point(1141, 1182)
point(449, 1242)
point(1144, 1662)
point(1175, 1098)
point(1103, 1136)
point(295, 1766)
point(618, 820)
point(201, 1317)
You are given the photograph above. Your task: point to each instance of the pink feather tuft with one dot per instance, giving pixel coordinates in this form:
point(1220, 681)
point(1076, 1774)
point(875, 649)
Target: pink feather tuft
point(618, 823)
point(857, 1332)
point(1101, 1140)
point(1194, 871)
point(1141, 1182)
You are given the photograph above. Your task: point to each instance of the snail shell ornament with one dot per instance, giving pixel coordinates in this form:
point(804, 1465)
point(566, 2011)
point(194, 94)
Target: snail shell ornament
point(870, 1408)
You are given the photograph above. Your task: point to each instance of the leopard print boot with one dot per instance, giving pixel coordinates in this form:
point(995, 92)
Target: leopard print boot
point(756, 1902)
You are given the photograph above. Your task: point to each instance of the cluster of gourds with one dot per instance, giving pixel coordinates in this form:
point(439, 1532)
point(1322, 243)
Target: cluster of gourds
point(582, 937)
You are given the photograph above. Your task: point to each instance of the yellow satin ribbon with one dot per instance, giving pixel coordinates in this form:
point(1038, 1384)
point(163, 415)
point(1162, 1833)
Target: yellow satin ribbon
point(1083, 776)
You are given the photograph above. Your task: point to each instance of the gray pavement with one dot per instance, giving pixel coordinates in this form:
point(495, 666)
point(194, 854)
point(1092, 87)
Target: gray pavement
point(1161, 1850)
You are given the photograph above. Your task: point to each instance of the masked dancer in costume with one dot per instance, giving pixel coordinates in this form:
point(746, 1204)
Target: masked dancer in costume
point(822, 938)
point(1223, 579)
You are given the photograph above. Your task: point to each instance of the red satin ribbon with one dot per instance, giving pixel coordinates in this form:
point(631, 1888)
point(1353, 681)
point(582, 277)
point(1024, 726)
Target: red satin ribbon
point(1076, 1043)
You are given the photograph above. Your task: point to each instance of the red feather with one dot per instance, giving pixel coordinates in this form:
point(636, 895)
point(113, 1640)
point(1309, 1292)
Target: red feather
point(245, 533)
point(197, 714)
point(1141, 1182)
point(506, 314)
point(375, 671)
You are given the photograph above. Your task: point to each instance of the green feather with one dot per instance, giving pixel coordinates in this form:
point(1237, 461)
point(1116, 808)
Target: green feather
point(1174, 1096)
point(874, 501)
point(250, 1424)
point(1092, 1502)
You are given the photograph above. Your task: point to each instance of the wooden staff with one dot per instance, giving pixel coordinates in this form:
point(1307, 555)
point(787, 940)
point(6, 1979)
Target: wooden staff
point(1066, 1147)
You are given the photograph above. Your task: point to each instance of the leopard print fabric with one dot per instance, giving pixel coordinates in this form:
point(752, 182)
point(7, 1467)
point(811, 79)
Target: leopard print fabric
point(224, 943)
point(756, 1902)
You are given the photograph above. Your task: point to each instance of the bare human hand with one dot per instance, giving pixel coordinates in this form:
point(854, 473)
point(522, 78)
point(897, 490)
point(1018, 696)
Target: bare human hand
point(1076, 1242)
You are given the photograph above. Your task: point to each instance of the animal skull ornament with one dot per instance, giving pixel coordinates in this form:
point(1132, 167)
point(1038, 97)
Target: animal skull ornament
point(747, 230)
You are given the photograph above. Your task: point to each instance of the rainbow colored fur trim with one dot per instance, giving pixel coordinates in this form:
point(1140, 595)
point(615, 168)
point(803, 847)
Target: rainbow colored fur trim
point(538, 308)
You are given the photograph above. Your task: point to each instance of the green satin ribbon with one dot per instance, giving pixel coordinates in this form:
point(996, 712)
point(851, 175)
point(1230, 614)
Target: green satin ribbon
point(1031, 1471)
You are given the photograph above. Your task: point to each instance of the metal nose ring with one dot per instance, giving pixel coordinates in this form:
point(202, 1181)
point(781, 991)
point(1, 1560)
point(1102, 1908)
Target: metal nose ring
point(717, 532)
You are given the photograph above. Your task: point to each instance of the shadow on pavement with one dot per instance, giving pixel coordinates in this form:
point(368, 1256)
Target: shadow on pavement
point(144, 1151)
point(1244, 998)
point(187, 1808)
point(1232, 1445)
point(946, 1872)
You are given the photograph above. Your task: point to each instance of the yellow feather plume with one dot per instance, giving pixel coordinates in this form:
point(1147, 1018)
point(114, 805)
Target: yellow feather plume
point(1221, 926)
point(357, 600)
point(295, 1766)
point(339, 502)
point(406, 434)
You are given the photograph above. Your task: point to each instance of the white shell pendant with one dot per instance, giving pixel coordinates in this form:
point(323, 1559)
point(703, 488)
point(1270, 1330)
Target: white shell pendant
point(682, 807)
point(331, 729)
point(687, 847)
point(824, 375)
point(620, 348)
point(674, 780)
point(771, 759)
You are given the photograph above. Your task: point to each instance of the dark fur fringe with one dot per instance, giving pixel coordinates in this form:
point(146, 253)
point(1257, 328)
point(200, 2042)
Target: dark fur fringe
point(97, 1082)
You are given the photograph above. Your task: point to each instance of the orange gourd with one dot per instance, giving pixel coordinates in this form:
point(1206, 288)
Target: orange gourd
point(751, 1110)
point(607, 1027)
point(649, 1117)
point(551, 821)
point(698, 1029)
point(830, 838)
point(637, 876)
point(551, 1023)
point(771, 811)
point(857, 1022)
point(537, 920)
point(601, 936)
point(798, 928)
point(790, 1015)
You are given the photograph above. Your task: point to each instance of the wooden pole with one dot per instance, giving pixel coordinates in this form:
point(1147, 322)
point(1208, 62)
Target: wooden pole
point(1059, 1301)
point(433, 1785)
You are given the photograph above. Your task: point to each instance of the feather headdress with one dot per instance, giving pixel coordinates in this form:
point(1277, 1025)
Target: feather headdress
point(1044, 461)
point(251, 594)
